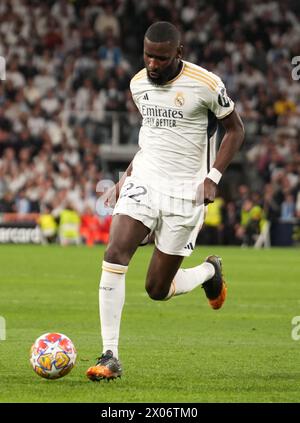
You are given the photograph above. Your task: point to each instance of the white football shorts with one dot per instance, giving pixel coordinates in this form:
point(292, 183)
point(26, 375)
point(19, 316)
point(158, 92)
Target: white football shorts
point(175, 222)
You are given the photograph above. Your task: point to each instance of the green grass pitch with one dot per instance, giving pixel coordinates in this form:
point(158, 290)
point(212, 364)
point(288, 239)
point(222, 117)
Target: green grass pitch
point(176, 351)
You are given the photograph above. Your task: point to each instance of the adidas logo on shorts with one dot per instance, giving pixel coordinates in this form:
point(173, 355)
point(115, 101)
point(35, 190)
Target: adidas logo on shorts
point(189, 246)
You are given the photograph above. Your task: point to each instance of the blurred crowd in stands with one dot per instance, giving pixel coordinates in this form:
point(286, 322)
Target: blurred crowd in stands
point(69, 64)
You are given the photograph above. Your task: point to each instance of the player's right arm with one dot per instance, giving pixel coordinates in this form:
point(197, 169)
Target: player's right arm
point(110, 197)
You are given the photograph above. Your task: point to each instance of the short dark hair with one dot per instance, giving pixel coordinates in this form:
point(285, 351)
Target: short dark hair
point(163, 31)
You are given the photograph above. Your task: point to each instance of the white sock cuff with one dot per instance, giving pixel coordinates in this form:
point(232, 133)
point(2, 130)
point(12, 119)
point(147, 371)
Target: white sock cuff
point(114, 268)
point(171, 292)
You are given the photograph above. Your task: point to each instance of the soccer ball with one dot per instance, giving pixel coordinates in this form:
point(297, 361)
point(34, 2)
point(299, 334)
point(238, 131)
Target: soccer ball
point(52, 355)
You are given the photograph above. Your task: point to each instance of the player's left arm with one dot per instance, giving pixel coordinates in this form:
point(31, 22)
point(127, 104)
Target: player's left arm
point(231, 142)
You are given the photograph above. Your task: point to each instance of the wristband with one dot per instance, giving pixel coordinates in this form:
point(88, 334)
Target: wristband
point(215, 175)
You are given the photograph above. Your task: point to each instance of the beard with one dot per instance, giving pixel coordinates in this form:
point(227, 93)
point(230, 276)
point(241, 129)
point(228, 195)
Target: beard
point(162, 79)
point(166, 75)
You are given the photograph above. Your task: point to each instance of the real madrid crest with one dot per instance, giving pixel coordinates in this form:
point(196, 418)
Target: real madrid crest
point(179, 100)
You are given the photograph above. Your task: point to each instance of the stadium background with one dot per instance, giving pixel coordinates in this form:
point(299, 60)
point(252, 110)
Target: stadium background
point(67, 119)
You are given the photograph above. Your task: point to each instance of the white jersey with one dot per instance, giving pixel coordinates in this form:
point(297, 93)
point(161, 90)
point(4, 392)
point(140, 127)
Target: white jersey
point(177, 137)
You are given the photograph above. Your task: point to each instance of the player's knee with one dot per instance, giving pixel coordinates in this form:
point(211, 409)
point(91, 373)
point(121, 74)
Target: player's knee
point(156, 292)
point(114, 254)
